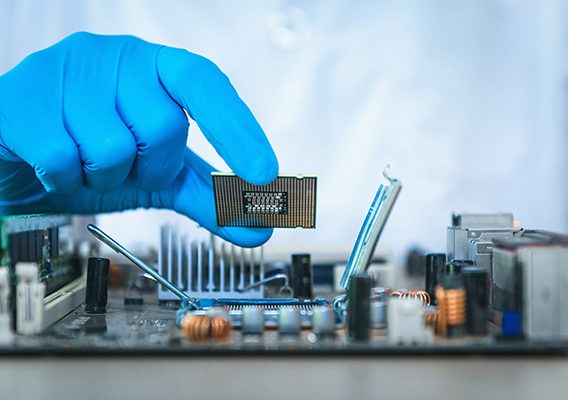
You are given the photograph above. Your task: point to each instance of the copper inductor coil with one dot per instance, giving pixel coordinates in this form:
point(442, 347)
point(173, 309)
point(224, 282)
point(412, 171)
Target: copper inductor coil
point(441, 326)
point(422, 295)
point(455, 306)
point(432, 317)
point(201, 328)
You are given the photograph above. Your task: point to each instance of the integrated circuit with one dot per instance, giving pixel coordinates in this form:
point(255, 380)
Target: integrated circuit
point(287, 202)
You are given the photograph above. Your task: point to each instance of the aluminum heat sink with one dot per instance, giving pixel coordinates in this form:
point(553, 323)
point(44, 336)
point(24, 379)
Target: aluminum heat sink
point(208, 267)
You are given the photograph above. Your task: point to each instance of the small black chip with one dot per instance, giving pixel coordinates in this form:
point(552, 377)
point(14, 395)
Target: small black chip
point(265, 202)
point(287, 202)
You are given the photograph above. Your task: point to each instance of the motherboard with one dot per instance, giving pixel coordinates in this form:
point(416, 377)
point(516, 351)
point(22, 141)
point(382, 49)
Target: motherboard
point(496, 289)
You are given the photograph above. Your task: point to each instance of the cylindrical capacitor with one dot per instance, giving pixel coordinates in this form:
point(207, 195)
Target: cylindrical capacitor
point(378, 314)
point(323, 321)
point(253, 320)
point(475, 281)
point(289, 321)
point(301, 276)
point(456, 266)
point(97, 285)
point(359, 313)
point(435, 268)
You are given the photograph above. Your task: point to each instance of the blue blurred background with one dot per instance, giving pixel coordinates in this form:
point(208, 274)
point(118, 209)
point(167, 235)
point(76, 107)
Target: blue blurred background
point(467, 100)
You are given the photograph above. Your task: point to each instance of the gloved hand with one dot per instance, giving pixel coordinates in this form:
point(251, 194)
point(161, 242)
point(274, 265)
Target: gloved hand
point(95, 124)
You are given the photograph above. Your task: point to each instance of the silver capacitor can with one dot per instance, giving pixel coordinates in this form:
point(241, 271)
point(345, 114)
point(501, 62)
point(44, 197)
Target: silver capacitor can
point(378, 314)
point(289, 321)
point(253, 320)
point(323, 321)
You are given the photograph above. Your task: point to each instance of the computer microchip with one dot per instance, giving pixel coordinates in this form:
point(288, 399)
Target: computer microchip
point(287, 202)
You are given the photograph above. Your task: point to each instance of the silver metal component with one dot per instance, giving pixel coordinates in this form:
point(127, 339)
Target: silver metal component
point(289, 321)
point(372, 228)
point(252, 320)
point(263, 282)
point(208, 267)
point(471, 237)
point(211, 262)
point(378, 314)
point(271, 312)
point(261, 263)
point(222, 267)
point(323, 321)
point(286, 291)
point(113, 244)
point(340, 307)
point(242, 268)
point(530, 275)
point(252, 268)
point(478, 220)
point(148, 276)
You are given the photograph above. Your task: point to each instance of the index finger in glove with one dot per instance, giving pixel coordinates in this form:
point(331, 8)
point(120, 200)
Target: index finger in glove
point(208, 96)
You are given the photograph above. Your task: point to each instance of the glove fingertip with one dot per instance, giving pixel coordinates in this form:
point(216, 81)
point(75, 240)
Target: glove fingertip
point(259, 166)
point(246, 237)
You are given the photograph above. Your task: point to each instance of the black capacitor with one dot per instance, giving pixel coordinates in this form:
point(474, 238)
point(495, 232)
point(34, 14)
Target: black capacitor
point(456, 266)
point(359, 307)
point(435, 268)
point(475, 281)
point(97, 285)
point(301, 276)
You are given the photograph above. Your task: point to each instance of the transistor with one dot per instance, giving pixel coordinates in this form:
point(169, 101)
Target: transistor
point(301, 274)
point(359, 307)
point(475, 282)
point(435, 268)
point(96, 293)
point(289, 201)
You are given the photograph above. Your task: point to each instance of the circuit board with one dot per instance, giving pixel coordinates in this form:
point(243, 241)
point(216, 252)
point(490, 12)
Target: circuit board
point(150, 329)
point(508, 303)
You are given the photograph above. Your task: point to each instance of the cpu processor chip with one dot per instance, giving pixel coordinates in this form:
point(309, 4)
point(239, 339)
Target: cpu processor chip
point(287, 202)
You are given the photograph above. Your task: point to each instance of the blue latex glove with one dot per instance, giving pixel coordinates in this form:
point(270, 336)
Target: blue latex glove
point(95, 124)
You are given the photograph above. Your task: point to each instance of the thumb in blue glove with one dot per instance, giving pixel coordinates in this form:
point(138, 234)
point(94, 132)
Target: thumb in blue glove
point(97, 124)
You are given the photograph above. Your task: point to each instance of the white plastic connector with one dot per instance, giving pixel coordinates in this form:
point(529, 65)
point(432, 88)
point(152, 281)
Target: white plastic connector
point(406, 324)
point(6, 333)
point(29, 299)
point(4, 290)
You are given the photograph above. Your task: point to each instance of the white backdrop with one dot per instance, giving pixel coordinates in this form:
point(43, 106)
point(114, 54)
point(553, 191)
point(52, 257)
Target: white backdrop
point(466, 100)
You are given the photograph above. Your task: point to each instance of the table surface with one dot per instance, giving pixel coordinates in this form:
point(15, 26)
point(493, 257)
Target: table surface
point(283, 377)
